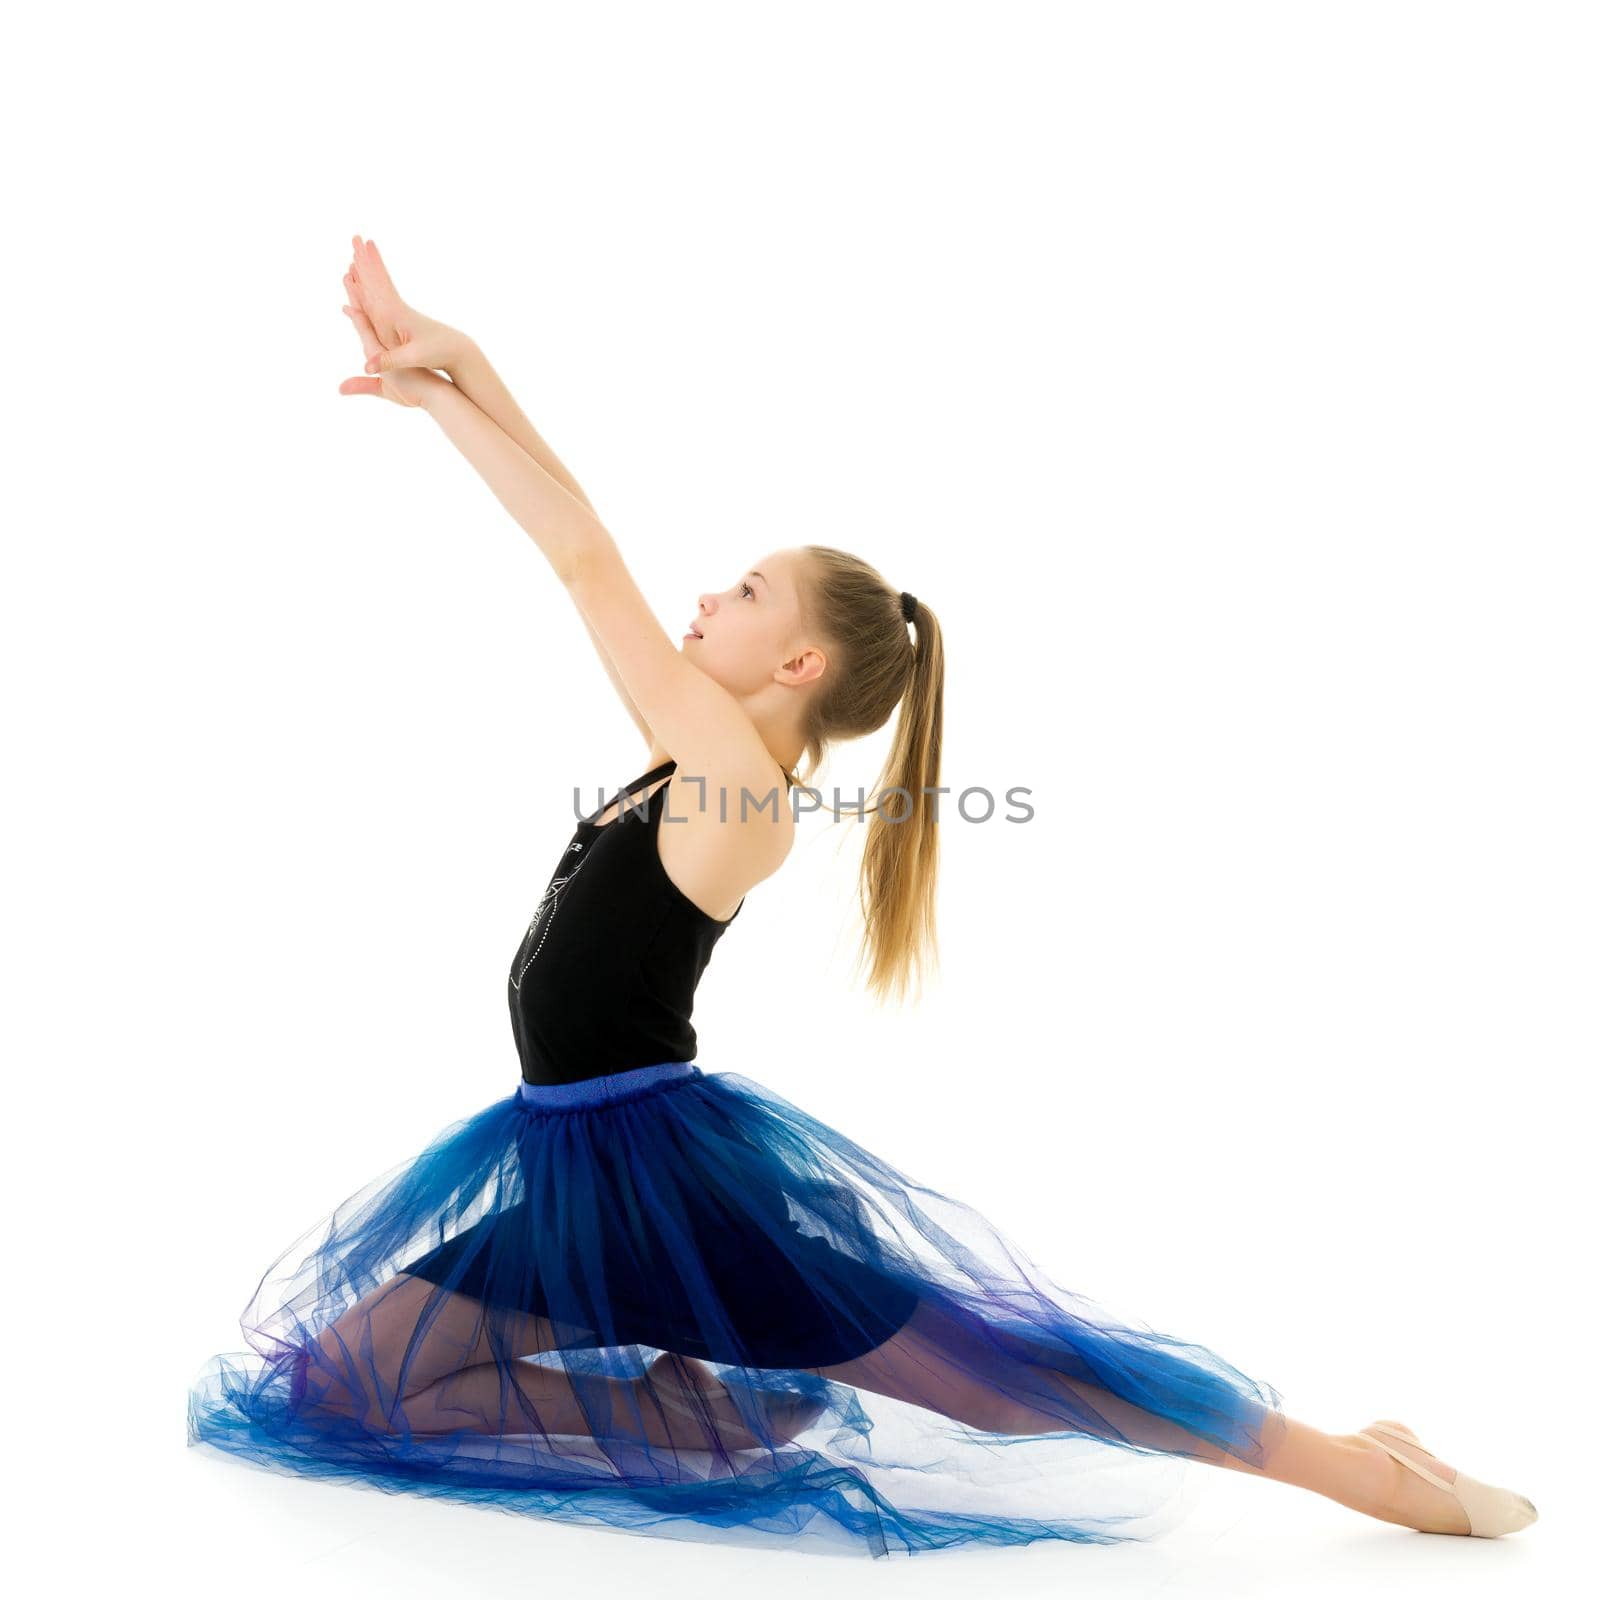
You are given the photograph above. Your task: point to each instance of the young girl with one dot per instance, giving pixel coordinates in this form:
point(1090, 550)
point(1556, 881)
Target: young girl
point(642, 1293)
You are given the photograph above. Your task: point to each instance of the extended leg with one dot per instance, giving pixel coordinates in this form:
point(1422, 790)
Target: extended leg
point(931, 1363)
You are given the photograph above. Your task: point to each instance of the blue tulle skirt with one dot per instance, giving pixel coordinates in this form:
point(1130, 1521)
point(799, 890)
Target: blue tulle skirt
point(671, 1301)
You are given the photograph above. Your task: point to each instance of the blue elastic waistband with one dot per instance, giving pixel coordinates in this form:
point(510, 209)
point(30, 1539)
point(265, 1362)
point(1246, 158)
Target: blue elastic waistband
point(610, 1087)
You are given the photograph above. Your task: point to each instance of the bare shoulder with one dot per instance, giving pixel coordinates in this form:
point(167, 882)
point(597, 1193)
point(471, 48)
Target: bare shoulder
point(724, 829)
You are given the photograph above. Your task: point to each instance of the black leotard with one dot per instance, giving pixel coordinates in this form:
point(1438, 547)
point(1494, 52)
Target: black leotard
point(603, 982)
point(604, 977)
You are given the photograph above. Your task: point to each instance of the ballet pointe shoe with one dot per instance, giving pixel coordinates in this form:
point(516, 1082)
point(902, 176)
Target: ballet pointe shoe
point(1490, 1512)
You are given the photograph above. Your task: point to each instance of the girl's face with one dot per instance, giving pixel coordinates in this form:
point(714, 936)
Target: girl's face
point(743, 634)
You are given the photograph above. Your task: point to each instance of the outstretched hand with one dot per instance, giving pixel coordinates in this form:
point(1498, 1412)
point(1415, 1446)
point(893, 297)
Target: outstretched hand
point(406, 386)
point(408, 338)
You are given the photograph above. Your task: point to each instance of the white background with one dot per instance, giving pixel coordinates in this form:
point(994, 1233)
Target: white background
point(1224, 378)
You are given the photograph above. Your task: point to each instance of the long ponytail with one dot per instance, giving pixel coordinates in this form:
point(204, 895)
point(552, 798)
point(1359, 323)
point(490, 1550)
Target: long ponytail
point(891, 653)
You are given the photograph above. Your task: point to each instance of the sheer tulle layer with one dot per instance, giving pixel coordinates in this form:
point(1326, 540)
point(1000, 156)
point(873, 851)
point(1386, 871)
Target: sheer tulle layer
point(671, 1300)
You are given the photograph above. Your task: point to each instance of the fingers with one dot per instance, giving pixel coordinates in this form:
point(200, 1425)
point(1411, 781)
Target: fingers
point(362, 386)
point(382, 357)
point(375, 292)
point(380, 273)
point(371, 345)
point(381, 360)
point(352, 278)
point(355, 259)
point(357, 318)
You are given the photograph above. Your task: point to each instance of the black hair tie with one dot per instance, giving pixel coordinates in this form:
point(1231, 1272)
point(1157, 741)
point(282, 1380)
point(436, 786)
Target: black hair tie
point(908, 604)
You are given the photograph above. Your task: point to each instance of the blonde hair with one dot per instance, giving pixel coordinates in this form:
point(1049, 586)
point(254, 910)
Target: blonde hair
point(878, 661)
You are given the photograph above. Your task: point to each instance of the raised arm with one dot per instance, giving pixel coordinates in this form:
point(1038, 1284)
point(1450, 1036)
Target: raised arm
point(692, 716)
point(477, 379)
point(372, 290)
